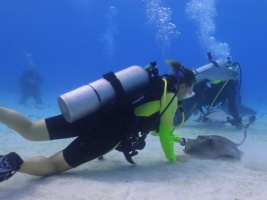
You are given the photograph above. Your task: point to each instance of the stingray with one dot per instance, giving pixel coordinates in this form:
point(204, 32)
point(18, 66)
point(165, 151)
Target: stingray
point(215, 146)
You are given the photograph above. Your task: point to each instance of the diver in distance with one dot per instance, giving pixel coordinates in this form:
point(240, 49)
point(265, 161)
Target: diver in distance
point(30, 81)
point(217, 100)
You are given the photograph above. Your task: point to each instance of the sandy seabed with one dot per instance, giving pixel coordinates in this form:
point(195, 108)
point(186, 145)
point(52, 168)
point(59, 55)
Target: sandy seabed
point(152, 177)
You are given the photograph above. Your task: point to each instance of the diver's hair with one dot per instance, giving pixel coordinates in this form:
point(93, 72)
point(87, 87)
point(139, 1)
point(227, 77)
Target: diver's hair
point(183, 74)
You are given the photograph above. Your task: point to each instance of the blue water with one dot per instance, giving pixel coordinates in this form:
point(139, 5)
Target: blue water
point(73, 42)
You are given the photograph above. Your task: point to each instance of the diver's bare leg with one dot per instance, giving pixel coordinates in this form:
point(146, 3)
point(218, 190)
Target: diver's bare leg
point(35, 131)
point(41, 166)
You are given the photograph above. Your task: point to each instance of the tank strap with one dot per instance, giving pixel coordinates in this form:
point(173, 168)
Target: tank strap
point(215, 63)
point(116, 84)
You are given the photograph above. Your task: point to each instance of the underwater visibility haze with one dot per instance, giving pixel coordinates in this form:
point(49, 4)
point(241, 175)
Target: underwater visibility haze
point(73, 42)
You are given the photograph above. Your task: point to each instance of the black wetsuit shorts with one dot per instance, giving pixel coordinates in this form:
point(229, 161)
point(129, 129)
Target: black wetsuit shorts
point(95, 136)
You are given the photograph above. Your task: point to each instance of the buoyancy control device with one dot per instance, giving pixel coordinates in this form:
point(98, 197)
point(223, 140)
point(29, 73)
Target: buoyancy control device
point(107, 90)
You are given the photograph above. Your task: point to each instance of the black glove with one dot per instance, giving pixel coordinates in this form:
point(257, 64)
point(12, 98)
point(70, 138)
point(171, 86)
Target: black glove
point(183, 141)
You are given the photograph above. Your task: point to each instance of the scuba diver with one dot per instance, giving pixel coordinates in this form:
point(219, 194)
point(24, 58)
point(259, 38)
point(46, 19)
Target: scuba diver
point(29, 85)
point(212, 95)
point(122, 125)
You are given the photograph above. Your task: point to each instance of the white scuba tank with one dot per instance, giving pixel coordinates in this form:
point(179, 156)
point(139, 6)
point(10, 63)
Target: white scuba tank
point(209, 66)
point(214, 71)
point(89, 98)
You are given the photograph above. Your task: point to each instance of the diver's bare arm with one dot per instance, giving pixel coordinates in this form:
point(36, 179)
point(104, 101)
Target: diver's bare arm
point(35, 131)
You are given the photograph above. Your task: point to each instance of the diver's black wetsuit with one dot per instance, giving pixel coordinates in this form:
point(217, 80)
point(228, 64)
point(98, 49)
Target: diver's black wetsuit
point(207, 96)
point(94, 137)
point(103, 131)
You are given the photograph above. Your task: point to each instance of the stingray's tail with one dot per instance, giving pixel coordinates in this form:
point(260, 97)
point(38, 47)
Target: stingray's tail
point(251, 121)
point(245, 136)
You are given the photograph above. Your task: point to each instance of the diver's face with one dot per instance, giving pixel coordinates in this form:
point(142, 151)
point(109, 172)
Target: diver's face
point(184, 91)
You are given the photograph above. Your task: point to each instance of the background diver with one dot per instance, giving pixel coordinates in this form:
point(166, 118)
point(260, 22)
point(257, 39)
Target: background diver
point(30, 81)
point(222, 94)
